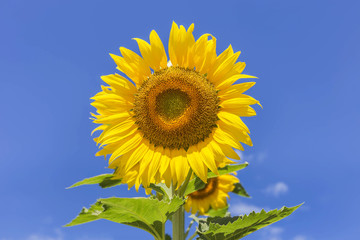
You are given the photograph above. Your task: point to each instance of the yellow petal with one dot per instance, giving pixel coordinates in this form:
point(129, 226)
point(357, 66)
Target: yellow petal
point(231, 78)
point(153, 53)
point(237, 133)
point(196, 162)
point(117, 129)
point(232, 119)
point(229, 152)
point(245, 111)
point(225, 67)
point(147, 158)
point(101, 127)
point(115, 139)
point(113, 118)
point(132, 65)
point(165, 161)
point(240, 101)
point(120, 84)
point(208, 157)
point(205, 55)
point(180, 44)
point(158, 50)
point(225, 138)
point(181, 167)
point(235, 90)
point(126, 145)
point(155, 163)
point(136, 156)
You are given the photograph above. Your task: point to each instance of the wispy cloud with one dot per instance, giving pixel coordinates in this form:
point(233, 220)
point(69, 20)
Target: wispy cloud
point(258, 157)
point(299, 237)
point(277, 189)
point(271, 233)
point(241, 208)
point(58, 236)
point(91, 238)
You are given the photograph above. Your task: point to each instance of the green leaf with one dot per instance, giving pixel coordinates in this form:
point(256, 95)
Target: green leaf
point(104, 180)
point(162, 189)
point(196, 218)
point(221, 212)
point(240, 190)
point(196, 183)
point(228, 169)
point(144, 213)
point(232, 228)
point(167, 237)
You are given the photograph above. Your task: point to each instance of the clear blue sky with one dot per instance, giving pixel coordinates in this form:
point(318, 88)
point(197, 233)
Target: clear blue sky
point(306, 139)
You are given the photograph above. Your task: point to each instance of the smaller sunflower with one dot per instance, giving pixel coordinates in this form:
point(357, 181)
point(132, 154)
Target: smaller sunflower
point(214, 194)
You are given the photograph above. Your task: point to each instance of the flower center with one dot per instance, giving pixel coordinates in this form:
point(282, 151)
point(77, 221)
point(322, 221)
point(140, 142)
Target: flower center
point(171, 104)
point(209, 189)
point(176, 108)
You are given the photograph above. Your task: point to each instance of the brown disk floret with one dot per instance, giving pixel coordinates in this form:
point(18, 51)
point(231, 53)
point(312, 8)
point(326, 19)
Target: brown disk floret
point(176, 108)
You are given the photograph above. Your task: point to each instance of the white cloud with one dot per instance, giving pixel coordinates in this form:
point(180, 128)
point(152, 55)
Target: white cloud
point(256, 157)
point(299, 237)
point(243, 208)
point(58, 236)
point(91, 238)
point(277, 189)
point(271, 233)
point(261, 156)
point(275, 230)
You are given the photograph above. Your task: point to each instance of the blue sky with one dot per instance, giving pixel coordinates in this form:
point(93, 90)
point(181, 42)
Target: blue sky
point(305, 53)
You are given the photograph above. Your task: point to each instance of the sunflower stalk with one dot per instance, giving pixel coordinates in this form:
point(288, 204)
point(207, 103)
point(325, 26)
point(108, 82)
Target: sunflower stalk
point(178, 218)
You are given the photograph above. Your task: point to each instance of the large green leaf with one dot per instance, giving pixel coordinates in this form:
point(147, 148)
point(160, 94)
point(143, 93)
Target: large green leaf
point(196, 183)
point(144, 213)
point(232, 228)
point(240, 190)
point(221, 212)
point(104, 180)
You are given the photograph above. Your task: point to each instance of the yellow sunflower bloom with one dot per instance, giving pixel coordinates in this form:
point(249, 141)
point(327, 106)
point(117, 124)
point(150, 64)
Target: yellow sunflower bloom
point(172, 116)
point(214, 194)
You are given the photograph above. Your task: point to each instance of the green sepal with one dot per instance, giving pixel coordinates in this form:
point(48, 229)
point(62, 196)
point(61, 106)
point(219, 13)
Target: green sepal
point(232, 228)
point(196, 183)
point(240, 190)
point(104, 181)
point(144, 213)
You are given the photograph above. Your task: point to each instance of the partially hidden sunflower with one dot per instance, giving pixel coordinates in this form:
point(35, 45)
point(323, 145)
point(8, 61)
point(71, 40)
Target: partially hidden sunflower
point(171, 116)
point(214, 194)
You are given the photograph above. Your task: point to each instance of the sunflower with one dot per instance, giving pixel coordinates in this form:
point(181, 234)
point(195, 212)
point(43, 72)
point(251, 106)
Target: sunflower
point(169, 117)
point(214, 194)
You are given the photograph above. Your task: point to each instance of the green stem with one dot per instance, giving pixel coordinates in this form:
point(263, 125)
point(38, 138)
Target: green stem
point(184, 186)
point(179, 224)
point(178, 218)
point(189, 227)
point(192, 236)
